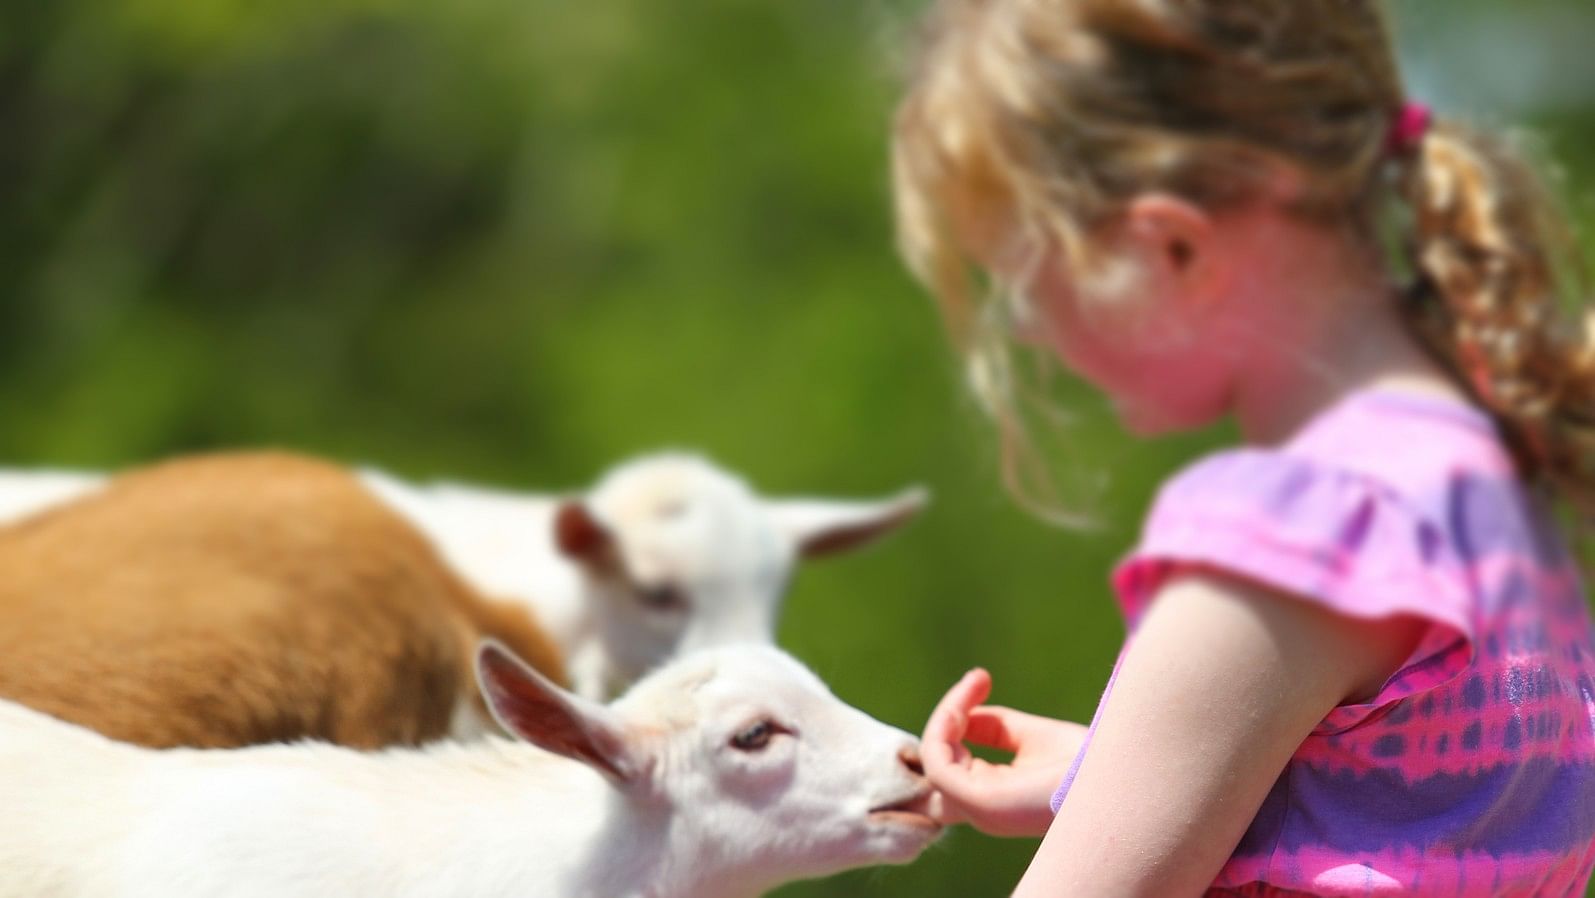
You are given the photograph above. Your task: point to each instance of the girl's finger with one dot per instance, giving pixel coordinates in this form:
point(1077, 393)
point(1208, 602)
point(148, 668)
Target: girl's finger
point(1005, 728)
point(942, 743)
point(942, 748)
point(969, 692)
point(946, 721)
point(990, 727)
point(943, 809)
point(954, 782)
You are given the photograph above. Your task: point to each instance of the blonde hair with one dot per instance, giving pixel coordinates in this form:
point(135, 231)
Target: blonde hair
point(1034, 121)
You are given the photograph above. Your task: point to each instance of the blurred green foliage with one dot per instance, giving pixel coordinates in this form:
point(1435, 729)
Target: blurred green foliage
point(514, 241)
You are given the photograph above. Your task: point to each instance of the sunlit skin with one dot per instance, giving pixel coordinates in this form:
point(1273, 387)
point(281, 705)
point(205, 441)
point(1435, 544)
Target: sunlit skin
point(1250, 313)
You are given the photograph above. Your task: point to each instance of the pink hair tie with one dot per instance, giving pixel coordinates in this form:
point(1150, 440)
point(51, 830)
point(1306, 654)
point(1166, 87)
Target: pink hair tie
point(1407, 131)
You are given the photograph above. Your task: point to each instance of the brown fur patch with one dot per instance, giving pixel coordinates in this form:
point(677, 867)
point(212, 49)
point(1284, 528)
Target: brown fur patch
point(242, 598)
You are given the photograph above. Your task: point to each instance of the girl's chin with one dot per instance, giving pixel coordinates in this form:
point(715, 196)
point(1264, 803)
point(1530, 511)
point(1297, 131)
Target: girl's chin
point(1151, 421)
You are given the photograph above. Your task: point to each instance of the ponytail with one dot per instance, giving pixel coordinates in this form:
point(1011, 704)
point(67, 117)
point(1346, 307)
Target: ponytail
point(1494, 261)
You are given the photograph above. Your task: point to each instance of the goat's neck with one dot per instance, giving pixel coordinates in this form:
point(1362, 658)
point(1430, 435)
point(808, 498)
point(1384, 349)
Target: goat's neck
point(494, 819)
point(641, 844)
point(559, 828)
point(556, 827)
point(598, 841)
point(678, 847)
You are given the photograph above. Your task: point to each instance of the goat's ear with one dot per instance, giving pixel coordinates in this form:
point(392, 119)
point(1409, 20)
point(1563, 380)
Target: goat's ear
point(581, 537)
point(820, 527)
point(527, 704)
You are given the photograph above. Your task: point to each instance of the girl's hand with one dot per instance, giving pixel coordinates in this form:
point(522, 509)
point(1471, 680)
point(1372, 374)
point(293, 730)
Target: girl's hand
point(1000, 799)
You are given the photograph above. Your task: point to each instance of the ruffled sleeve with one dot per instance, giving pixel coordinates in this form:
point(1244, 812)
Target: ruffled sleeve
point(1338, 538)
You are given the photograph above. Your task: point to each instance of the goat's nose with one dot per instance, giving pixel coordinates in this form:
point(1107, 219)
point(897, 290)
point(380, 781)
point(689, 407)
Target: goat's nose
point(909, 755)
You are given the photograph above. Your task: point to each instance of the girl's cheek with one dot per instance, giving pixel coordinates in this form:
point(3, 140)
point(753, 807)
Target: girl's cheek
point(1085, 357)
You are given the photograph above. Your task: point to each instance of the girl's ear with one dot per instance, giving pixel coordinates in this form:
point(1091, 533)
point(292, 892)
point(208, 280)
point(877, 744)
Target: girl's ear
point(527, 704)
point(1178, 240)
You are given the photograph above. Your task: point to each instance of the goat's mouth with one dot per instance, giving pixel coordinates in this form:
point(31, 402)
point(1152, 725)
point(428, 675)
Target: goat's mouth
point(913, 811)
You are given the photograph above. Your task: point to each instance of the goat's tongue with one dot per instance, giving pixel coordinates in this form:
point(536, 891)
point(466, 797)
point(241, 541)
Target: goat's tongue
point(919, 804)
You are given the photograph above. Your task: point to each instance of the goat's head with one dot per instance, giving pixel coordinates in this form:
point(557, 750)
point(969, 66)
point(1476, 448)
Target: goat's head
point(682, 555)
point(768, 777)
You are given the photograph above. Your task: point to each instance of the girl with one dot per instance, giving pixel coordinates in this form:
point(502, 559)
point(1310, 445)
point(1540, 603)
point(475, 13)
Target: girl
point(1360, 660)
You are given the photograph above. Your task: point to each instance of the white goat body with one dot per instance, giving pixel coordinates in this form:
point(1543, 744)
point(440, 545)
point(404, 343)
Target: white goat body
point(723, 774)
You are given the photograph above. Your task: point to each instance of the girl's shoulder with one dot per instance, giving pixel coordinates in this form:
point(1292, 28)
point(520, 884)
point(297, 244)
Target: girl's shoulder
point(1405, 439)
point(1373, 508)
point(1409, 449)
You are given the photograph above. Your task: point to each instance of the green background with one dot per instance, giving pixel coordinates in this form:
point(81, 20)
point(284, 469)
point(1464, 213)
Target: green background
point(515, 241)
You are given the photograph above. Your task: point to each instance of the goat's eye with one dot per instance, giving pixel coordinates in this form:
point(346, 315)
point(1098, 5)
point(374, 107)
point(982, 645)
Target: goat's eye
point(755, 737)
point(662, 598)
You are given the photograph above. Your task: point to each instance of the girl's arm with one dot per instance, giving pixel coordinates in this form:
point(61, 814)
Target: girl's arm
point(1222, 682)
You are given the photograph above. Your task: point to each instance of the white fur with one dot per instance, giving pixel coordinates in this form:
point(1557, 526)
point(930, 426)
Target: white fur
point(24, 492)
point(675, 521)
point(697, 817)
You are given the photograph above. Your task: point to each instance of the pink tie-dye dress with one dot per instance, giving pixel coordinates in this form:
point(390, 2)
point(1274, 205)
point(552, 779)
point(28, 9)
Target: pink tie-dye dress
point(1472, 772)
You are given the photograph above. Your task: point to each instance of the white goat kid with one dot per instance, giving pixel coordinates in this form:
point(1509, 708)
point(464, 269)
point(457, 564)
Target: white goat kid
point(724, 774)
point(678, 555)
point(669, 553)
